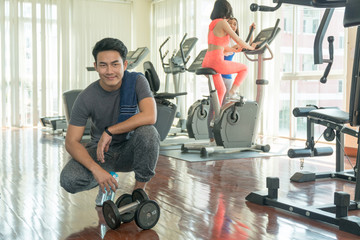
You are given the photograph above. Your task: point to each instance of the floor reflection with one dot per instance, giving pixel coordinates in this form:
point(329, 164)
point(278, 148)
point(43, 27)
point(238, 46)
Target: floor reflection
point(226, 228)
point(202, 200)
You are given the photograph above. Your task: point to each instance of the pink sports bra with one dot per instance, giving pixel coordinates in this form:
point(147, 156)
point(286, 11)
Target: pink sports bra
point(219, 41)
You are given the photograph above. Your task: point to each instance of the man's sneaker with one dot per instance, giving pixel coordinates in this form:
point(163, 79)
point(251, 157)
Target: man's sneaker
point(102, 197)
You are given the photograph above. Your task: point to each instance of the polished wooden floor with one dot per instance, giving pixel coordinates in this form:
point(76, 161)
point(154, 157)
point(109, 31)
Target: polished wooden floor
point(204, 200)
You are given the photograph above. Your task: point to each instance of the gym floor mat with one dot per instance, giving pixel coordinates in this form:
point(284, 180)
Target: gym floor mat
point(176, 141)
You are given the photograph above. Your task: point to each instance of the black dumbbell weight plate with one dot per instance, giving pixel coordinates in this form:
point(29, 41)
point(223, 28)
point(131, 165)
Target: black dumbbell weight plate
point(147, 214)
point(122, 201)
point(111, 214)
point(140, 195)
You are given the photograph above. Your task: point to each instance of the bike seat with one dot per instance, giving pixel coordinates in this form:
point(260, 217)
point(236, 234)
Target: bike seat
point(205, 71)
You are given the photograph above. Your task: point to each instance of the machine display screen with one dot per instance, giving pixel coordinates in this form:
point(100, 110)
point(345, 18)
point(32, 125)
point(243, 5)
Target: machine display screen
point(263, 35)
point(137, 53)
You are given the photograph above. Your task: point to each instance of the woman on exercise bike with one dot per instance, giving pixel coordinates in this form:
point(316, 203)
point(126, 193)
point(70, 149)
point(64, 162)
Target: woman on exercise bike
point(219, 36)
point(229, 55)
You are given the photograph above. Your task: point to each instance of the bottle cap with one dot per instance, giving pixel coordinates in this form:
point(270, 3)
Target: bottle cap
point(114, 174)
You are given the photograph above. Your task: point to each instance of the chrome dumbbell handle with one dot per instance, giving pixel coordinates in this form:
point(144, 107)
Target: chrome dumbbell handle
point(129, 207)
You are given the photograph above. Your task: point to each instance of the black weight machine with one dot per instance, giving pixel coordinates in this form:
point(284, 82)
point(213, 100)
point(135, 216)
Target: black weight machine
point(336, 213)
point(332, 118)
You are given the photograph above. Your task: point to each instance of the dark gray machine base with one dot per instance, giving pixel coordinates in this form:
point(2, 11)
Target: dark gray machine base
point(197, 120)
point(305, 176)
point(335, 214)
point(165, 111)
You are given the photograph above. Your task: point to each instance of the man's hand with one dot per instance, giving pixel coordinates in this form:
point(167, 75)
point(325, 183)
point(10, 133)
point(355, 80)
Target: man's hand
point(103, 146)
point(105, 180)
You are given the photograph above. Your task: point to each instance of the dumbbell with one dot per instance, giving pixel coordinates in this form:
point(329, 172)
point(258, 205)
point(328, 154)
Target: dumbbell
point(127, 207)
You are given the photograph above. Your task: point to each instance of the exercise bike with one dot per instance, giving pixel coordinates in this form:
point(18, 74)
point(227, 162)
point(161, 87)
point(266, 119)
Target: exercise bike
point(198, 113)
point(236, 123)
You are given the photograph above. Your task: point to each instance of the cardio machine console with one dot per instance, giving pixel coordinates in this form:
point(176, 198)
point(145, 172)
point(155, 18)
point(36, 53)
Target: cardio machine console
point(135, 57)
point(187, 46)
point(266, 36)
point(198, 61)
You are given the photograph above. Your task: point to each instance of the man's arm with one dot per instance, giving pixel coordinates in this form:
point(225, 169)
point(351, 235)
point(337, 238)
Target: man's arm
point(79, 153)
point(146, 116)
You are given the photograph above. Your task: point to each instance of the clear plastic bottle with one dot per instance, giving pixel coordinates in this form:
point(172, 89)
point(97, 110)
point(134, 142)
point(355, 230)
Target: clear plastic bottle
point(110, 195)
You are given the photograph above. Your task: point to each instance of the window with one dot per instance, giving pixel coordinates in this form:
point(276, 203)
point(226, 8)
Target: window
point(45, 49)
point(310, 20)
point(23, 60)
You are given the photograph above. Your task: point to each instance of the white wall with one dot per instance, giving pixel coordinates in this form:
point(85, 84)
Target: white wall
point(128, 20)
point(141, 35)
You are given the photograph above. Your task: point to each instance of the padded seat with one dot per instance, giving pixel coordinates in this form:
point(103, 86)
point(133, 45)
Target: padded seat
point(331, 114)
point(205, 71)
point(154, 83)
point(329, 3)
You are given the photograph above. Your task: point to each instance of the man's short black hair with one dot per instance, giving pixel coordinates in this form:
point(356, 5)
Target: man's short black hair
point(222, 9)
point(107, 44)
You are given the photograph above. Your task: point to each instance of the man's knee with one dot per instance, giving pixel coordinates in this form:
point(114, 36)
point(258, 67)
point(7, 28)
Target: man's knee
point(74, 177)
point(147, 133)
point(66, 183)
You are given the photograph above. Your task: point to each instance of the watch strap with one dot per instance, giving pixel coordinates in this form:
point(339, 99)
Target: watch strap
point(108, 132)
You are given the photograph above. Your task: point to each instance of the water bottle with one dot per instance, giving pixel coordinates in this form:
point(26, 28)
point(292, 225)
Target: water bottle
point(110, 195)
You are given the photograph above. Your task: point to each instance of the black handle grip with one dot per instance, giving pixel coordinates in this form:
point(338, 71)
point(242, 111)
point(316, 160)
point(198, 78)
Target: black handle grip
point(162, 56)
point(303, 111)
point(331, 47)
point(274, 30)
point(166, 40)
point(254, 7)
point(323, 79)
point(250, 33)
point(181, 49)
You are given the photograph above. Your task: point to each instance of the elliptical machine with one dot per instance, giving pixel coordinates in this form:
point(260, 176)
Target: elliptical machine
point(175, 67)
point(236, 123)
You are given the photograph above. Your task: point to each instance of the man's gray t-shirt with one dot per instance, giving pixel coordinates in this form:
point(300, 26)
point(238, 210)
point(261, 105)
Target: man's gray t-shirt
point(103, 108)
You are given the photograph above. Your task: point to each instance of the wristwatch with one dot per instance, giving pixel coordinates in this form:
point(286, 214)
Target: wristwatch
point(107, 131)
